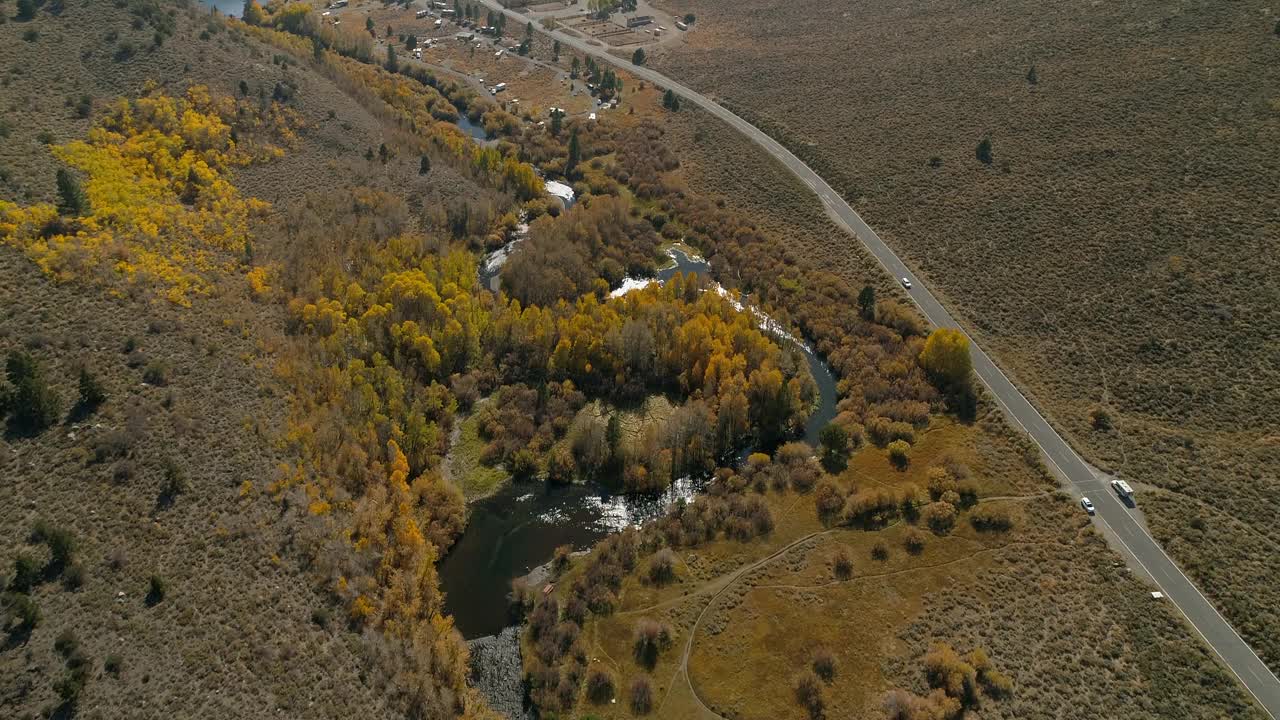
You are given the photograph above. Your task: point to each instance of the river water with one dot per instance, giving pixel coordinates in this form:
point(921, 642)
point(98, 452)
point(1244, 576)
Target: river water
point(519, 528)
point(475, 130)
point(233, 8)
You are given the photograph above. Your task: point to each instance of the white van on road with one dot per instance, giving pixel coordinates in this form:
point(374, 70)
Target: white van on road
point(1123, 490)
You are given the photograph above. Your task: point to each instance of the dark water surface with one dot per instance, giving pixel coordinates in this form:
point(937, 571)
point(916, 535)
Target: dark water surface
point(520, 527)
point(825, 412)
point(234, 8)
point(475, 130)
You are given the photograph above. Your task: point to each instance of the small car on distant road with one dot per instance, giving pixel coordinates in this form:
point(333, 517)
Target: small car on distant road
point(1087, 504)
point(906, 283)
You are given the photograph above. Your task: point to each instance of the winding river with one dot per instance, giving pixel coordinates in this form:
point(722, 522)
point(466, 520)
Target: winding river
point(520, 527)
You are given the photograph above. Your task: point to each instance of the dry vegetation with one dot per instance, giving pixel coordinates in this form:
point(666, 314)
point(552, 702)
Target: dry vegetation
point(164, 206)
point(1050, 565)
point(1117, 250)
point(825, 615)
point(251, 389)
point(238, 616)
point(166, 582)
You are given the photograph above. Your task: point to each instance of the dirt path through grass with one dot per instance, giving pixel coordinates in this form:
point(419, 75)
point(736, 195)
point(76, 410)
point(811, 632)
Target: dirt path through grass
point(723, 583)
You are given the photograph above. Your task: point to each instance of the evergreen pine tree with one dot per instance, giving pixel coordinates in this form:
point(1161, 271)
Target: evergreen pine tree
point(71, 198)
point(867, 301)
point(252, 13)
point(575, 153)
point(33, 403)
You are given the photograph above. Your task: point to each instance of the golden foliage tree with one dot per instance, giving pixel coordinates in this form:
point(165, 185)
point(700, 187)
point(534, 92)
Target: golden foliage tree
point(159, 208)
point(946, 357)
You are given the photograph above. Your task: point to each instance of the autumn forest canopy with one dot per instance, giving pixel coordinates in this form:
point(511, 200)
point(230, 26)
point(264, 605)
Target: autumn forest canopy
point(360, 310)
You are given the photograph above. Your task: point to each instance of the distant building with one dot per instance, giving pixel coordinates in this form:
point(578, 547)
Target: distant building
point(639, 21)
point(466, 36)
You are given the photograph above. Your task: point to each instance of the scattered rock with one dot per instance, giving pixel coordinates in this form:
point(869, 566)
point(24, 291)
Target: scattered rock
point(497, 672)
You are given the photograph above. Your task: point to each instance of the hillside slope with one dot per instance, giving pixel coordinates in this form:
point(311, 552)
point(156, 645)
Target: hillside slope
point(188, 592)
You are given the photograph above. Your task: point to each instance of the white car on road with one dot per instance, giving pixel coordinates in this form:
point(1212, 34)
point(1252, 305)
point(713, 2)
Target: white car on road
point(906, 283)
point(1087, 504)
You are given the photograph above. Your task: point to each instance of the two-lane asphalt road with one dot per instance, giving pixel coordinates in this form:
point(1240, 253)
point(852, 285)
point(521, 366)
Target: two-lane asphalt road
point(1127, 534)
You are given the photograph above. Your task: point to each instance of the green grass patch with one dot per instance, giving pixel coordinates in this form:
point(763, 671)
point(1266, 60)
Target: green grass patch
point(476, 479)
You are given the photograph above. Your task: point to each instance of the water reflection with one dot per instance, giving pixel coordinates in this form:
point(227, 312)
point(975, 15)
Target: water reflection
point(520, 527)
point(475, 130)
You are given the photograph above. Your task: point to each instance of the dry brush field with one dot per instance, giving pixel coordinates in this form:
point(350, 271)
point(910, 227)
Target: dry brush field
point(1118, 252)
point(1046, 601)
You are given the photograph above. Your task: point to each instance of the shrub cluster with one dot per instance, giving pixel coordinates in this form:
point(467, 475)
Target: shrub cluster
point(78, 670)
point(521, 424)
point(558, 667)
point(990, 519)
point(21, 613)
point(810, 693)
point(649, 639)
point(601, 686)
point(950, 491)
point(662, 567)
point(566, 257)
point(641, 696)
point(737, 516)
point(957, 684)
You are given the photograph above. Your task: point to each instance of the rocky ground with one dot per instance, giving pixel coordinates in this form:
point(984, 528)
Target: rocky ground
point(496, 672)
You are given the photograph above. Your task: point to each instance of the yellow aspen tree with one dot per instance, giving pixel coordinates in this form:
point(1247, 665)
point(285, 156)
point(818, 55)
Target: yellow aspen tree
point(946, 356)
